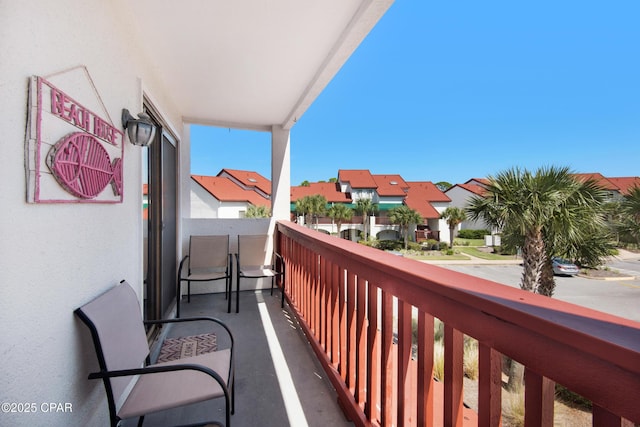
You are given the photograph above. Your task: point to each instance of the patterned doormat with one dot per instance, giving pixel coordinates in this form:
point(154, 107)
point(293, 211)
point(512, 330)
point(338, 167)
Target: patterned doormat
point(178, 348)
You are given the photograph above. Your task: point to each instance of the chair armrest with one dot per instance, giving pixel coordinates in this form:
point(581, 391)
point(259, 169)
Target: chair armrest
point(154, 369)
point(181, 264)
point(281, 259)
point(194, 319)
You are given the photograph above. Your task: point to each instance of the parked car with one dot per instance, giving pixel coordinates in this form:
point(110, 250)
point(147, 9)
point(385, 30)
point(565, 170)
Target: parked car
point(564, 267)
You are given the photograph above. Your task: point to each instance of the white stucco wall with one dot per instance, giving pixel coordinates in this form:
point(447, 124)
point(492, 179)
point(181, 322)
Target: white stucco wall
point(203, 204)
point(232, 227)
point(56, 257)
point(460, 198)
point(232, 210)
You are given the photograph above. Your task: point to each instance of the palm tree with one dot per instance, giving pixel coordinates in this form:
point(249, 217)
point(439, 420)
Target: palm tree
point(630, 221)
point(454, 216)
point(365, 206)
point(340, 213)
point(404, 217)
point(311, 207)
point(546, 213)
point(302, 208)
point(318, 204)
point(258, 212)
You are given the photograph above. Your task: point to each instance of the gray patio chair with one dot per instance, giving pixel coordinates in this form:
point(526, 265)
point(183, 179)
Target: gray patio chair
point(209, 259)
point(135, 388)
point(253, 261)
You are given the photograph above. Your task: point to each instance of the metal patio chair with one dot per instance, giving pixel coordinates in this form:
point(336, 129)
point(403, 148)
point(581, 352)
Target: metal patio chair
point(253, 261)
point(135, 388)
point(209, 259)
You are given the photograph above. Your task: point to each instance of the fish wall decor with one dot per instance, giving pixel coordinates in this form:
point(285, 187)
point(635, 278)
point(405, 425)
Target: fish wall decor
point(83, 167)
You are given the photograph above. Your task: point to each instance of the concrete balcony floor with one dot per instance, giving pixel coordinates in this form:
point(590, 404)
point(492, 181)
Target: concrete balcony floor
point(264, 395)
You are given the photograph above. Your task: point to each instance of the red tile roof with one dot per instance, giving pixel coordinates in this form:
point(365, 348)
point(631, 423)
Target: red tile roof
point(390, 185)
point(598, 178)
point(475, 181)
point(420, 196)
point(357, 178)
point(625, 184)
point(249, 179)
point(330, 191)
point(472, 188)
point(225, 190)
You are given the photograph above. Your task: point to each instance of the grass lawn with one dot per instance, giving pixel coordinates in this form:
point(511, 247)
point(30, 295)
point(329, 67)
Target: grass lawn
point(435, 256)
point(467, 242)
point(480, 254)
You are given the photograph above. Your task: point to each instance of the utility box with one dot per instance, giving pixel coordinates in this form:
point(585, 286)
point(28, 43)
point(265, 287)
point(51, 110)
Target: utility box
point(492, 240)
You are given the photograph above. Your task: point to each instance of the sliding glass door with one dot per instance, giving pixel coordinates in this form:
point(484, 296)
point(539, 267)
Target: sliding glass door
point(160, 219)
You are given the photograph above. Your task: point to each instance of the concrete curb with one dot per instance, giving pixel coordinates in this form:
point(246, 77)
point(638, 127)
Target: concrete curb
point(478, 261)
point(585, 276)
point(473, 261)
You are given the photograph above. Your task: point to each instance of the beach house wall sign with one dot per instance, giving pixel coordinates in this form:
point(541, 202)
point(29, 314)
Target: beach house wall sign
point(74, 155)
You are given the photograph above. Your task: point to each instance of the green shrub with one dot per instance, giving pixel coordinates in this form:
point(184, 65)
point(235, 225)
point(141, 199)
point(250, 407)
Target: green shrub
point(503, 250)
point(388, 245)
point(413, 246)
point(572, 398)
point(449, 252)
point(473, 234)
point(443, 246)
point(430, 245)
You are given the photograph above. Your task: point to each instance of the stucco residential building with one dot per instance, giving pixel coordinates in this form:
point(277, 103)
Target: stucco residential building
point(386, 191)
point(460, 194)
point(222, 197)
point(615, 188)
point(99, 98)
point(69, 68)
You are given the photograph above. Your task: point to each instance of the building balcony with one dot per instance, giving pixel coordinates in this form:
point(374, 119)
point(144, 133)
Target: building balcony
point(279, 381)
point(354, 345)
point(369, 316)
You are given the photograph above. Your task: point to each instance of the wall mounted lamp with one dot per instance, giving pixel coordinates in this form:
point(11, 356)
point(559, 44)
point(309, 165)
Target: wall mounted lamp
point(141, 130)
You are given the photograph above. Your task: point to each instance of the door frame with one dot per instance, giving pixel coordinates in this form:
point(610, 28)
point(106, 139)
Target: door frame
point(153, 307)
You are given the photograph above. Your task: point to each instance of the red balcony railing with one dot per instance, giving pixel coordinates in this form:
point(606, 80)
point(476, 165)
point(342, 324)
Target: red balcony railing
point(357, 306)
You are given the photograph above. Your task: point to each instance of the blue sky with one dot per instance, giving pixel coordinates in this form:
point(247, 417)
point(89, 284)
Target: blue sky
point(448, 91)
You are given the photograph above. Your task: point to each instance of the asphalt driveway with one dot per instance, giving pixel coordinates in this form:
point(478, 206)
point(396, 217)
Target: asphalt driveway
point(617, 297)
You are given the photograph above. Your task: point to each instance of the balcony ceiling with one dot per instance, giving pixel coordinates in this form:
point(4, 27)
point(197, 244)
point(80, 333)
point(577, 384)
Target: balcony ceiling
point(248, 63)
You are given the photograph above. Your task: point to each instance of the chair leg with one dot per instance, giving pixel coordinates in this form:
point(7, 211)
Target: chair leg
point(231, 294)
point(238, 295)
point(178, 298)
point(233, 395)
point(273, 279)
point(188, 290)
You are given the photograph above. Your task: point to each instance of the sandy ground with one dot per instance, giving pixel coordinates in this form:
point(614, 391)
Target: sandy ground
point(564, 415)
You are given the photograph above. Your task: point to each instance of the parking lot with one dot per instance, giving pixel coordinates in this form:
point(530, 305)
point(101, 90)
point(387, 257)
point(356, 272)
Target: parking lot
point(617, 297)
